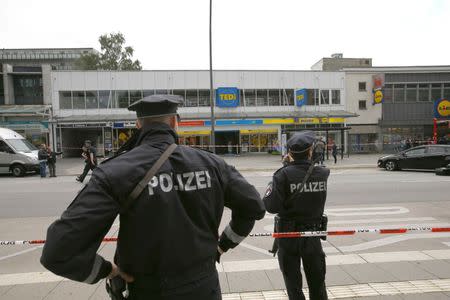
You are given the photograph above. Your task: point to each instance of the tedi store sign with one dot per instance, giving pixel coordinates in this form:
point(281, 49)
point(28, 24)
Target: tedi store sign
point(227, 97)
point(442, 109)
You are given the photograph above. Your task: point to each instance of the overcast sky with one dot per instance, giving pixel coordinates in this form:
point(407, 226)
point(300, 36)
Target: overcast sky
point(247, 34)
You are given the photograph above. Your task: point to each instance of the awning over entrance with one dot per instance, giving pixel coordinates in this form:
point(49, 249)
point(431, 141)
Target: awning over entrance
point(24, 110)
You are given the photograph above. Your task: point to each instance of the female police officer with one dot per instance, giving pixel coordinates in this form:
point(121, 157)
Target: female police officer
point(300, 208)
point(168, 238)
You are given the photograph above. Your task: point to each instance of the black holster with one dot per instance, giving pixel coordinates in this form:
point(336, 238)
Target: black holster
point(276, 228)
point(324, 226)
point(117, 288)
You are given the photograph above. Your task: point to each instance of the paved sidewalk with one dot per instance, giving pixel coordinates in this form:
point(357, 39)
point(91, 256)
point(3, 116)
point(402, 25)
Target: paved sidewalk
point(248, 162)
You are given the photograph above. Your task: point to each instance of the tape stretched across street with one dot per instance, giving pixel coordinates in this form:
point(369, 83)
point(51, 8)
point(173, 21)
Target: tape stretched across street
point(279, 235)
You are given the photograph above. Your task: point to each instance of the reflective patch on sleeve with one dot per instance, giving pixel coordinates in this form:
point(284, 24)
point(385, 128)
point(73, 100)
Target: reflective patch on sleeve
point(269, 189)
point(233, 236)
point(95, 269)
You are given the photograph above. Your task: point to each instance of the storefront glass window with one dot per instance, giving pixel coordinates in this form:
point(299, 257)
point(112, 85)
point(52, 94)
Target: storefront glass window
point(148, 92)
point(399, 93)
point(79, 101)
point(254, 143)
point(274, 98)
point(388, 93)
point(161, 92)
point(180, 93)
point(121, 99)
point(28, 89)
point(446, 91)
point(335, 97)
point(261, 98)
point(91, 100)
point(104, 99)
point(324, 97)
point(436, 91)
point(191, 98)
point(135, 96)
point(424, 92)
point(411, 93)
point(313, 97)
point(203, 98)
point(250, 97)
point(65, 100)
point(289, 96)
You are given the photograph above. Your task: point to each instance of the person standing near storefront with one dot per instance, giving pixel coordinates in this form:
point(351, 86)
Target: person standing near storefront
point(334, 152)
point(42, 157)
point(51, 161)
point(297, 194)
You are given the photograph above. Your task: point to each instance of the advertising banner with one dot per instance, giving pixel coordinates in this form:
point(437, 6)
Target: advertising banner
point(227, 97)
point(378, 85)
point(301, 97)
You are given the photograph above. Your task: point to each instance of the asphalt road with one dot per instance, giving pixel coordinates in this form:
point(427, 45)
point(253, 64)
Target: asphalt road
point(357, 198)
point(32, 196)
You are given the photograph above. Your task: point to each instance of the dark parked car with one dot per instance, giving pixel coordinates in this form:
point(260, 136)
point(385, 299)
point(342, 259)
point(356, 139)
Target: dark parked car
point(422, 157)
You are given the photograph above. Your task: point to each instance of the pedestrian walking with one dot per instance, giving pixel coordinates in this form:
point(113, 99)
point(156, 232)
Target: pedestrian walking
point(42, 157)
point(89, 154)
point(334, 152)
point(297, 194)
point(170, 199)
point(51, 161)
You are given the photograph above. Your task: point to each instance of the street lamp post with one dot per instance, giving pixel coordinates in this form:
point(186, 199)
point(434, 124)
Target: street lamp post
point(211, 93)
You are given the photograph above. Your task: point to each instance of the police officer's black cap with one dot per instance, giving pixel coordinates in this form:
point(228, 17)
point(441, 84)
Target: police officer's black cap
point(301, 141)
point(156, 106)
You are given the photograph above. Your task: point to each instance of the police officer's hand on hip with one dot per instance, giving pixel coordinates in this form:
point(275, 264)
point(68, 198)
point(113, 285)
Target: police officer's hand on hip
point(297, 195)
point(168, 236)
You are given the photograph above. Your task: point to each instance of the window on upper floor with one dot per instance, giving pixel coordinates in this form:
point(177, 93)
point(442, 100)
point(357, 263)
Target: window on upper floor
point(335, 97)
point(436, 91)
point(274, 98)
point(313, 97)
point(362, 105)
point(324, 97)
point(204, 98)
point(250, 97)
point(362, 86)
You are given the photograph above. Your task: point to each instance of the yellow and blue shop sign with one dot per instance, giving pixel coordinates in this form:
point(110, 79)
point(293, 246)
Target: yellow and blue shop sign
point(442, 109)
point(227, 97)
point(301, 97)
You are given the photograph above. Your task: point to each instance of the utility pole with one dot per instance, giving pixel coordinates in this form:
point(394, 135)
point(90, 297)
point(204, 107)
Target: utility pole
point(211, 93)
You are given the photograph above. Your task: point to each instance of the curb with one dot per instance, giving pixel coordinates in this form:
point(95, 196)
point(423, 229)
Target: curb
point(362, 166)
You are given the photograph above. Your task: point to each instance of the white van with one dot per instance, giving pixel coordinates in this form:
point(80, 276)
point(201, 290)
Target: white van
point(17, 155)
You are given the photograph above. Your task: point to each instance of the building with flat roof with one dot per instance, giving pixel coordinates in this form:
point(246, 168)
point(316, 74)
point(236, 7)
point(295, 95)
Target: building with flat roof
point(253, 109)
point(25, 103)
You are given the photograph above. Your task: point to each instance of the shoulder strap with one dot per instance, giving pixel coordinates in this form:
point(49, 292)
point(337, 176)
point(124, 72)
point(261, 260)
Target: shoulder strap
point(300, 189)
point(143, 183)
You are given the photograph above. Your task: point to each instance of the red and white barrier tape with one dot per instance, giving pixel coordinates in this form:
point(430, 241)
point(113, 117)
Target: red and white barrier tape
point(278, 235)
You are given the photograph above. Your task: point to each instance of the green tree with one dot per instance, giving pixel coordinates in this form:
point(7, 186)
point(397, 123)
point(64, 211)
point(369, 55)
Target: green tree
point(113, 55)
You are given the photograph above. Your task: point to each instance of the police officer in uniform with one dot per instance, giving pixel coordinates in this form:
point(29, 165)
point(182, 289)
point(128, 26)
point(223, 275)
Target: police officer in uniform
point(168, 237)
point(300, 211)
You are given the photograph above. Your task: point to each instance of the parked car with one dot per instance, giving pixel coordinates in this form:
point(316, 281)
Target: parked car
point(419, 158)
point(443, 171)
point(17, 155)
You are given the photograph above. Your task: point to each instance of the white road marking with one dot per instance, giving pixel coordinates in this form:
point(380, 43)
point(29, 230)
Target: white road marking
point(366, 211)
point(446, 243)
point(259, 250)
point(425, 180)
point(20, 253)
point(391, 240)
point(261, 264)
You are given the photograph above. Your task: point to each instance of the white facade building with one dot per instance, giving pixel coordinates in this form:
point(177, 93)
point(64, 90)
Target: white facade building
point(93, 105)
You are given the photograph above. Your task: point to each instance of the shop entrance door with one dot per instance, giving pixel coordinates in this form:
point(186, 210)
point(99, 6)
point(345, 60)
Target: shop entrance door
point(227, 142)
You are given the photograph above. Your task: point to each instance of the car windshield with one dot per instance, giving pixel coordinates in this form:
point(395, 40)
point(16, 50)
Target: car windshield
point(21, 145)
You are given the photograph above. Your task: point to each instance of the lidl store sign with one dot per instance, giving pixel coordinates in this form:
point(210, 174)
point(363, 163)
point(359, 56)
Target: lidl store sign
point(227, 97)
point(442, 109)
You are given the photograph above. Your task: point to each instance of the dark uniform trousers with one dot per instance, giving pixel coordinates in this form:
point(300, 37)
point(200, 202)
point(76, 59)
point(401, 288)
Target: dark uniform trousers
point(291, 253)
point(201, 283)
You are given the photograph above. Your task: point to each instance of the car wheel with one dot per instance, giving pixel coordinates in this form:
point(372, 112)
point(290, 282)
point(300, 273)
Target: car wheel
point(390, 165)
point(18, 170)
